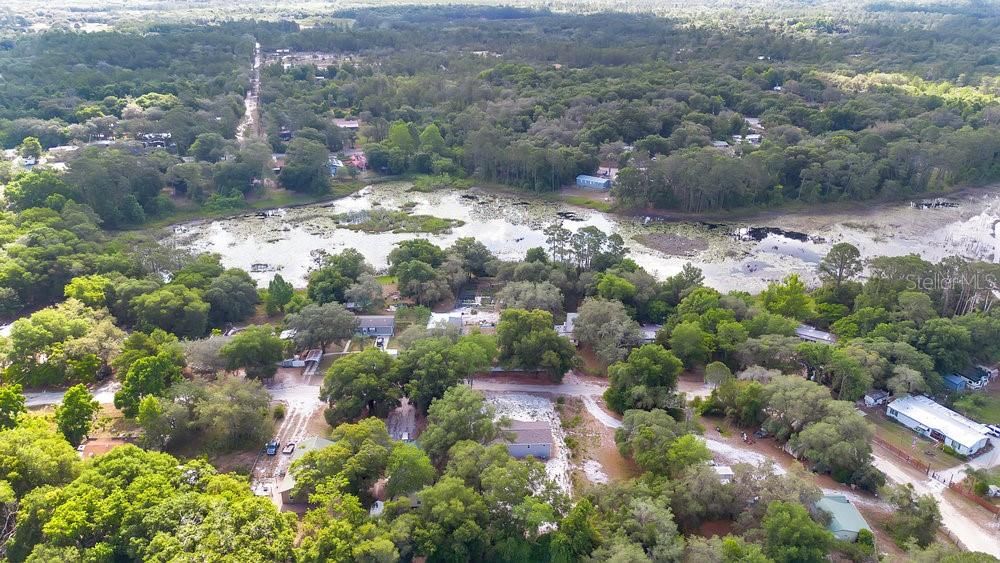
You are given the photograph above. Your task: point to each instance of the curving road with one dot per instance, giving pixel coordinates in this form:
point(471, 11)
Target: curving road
point(973, 535)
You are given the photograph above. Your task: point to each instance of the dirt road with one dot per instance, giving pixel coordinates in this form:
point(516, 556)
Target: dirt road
point(403, 421)
point(103, 394)
point(974, 535)
point(250, 125)
point(571, 386)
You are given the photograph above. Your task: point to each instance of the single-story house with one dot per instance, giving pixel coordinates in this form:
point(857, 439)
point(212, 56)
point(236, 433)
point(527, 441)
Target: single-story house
point(376, 325)
point(566, 329)
point(812, 334)
point(927, 418)
point(754, 139)
point(955, 382)
point(724, 472)
point(288, 481)
point(845, 520)
point(875, 397)
point(722, 145)
point(593, 182)
point(530, 439)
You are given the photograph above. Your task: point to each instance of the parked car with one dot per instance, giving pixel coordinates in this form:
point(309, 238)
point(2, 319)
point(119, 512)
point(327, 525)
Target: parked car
point(761, 434)
point(289, 448)
point(993, 430)
point(379, 342)
point(271, 448)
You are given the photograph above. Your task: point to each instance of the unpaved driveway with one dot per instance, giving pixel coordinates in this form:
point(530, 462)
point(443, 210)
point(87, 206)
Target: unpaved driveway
point(571, 386)
point(975, 536)
point(300, 396)
point(403, 421)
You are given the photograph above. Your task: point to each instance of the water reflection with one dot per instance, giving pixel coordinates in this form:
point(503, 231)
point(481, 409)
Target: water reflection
point(732, 256)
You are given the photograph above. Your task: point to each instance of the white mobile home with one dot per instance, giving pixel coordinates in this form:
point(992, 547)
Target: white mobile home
point(530, 439)
point(925, 417)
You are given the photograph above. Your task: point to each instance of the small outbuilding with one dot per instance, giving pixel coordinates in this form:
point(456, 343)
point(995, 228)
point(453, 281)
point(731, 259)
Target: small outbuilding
point(845, 520)
point(955, 382)
point(813, 334)
point(874, 397)
point(724, 472)
point(566, 329)
point(648, 332)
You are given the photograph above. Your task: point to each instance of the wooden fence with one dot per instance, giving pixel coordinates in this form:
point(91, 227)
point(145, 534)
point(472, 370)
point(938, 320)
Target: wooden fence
point(960, 489)
point(901, 454)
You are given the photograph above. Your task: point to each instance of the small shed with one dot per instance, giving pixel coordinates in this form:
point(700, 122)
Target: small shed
point(531, 439)
point(593, 182)
point(813, 334)
point(724, 472)
point(845, 520)
point(566, 329)
point(875, 397)
point(648, 332)
point(955, 382)
point(376, 325)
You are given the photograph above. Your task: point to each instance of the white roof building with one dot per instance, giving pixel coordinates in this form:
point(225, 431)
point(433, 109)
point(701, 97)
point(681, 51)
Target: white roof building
point(566, 329)
point(724, 472)
point(924, 416)
point(806, 332)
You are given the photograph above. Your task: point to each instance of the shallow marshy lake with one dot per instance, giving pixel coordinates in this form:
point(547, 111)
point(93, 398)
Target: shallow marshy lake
point(743, 255)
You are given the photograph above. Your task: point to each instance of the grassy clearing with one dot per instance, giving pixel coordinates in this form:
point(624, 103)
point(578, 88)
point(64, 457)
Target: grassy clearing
point(917, 446)
point(979, 407)
point(595, 204)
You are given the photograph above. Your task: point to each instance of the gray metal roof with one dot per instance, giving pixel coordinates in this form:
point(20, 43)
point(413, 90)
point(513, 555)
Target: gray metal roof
point(537, 432)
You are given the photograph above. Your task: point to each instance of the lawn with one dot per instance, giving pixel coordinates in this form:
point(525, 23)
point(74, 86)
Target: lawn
point(925, 450)
point(595, 204)
point(979, 407)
